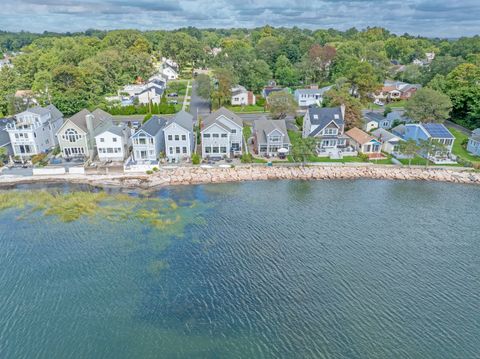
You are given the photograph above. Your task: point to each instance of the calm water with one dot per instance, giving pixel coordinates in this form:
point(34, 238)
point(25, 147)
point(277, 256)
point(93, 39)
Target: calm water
point(357, 269)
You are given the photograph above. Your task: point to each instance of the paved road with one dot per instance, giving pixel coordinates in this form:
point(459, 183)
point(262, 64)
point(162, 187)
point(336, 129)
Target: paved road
point(464, 130)
point(198, 104)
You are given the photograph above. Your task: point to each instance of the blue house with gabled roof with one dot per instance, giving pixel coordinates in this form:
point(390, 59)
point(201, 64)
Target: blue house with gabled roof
point(433, 132)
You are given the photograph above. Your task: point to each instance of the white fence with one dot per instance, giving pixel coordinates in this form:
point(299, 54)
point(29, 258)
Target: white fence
point(76, 170)
point(44, 171)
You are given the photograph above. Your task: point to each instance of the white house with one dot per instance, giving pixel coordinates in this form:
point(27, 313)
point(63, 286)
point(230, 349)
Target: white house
point(222, 134)
point(148, 141)
point(364, 143)
point(34, 130)
point(390, 142)
point(113, 143)
point(169, 72)
point(473, 145)
point(151, 94)
point(179, 137)
point(241, 96)
point(310, 96)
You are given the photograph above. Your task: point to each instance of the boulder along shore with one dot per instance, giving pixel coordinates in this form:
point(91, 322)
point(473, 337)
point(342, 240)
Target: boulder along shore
point(199, 175)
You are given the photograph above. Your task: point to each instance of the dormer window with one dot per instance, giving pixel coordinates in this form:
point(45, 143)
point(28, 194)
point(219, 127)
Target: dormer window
point(336, 116)
point(315, 117)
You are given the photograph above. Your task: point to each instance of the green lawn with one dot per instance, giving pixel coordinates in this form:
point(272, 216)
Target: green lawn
point(247, 132)
point(246, 109)
point(458, 148)
point(416, 161)
point(178, 86)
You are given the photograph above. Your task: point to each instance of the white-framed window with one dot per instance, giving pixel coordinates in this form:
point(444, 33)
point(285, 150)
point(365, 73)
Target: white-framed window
point(71, 135)
point(206, 135)
point(184, 149)
point(224, 135)
point(177, 137)
point(184, 137)
point(331, 131)
point(114, 139)
point(215, 135)
point(170, 137)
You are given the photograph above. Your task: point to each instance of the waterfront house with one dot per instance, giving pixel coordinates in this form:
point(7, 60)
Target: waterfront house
point(76, 136)
point(364, 143)
point(113, 143)
point(4, 136)
point(33, 130)
point(270, 136)
point(179, 137)
point(148, 141)
point(327, 126)
point(222, 134)
point(390, 142)
point(310, 96)
point(473, 145)
point(241, 96)
point(434, 133)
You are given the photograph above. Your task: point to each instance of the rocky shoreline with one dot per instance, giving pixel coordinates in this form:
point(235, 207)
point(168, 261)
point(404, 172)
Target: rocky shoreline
point(198, 175)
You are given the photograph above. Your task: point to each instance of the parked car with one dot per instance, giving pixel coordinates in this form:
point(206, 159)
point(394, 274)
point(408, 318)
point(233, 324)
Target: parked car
point(136, 124)
point(173, 102)
point(378, 102)
point(173, 94)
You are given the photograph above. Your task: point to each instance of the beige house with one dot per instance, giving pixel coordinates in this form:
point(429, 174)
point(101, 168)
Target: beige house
point(364, 143)
point(76, 137)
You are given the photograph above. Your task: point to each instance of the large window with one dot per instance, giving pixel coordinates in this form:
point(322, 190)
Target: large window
point(224, 135)
point(208, 150)
point(331, 131)
point(177, 137)
point(223, 150)
point(71, 135)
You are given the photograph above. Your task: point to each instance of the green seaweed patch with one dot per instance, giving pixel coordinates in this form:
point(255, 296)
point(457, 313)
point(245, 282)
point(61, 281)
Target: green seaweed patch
point(164, 215)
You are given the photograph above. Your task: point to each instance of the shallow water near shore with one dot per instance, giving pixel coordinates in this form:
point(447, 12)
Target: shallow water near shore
point(278, 269)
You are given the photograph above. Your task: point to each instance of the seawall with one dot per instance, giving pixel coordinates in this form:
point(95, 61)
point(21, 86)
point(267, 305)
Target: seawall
point(199, 175)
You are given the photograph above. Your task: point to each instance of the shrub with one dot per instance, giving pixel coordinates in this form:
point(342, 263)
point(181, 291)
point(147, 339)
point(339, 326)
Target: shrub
point(260, 101)
point(147, 117)
point(149, 172)
point(155, 169)
point(56, 151)
point(38, 158)
point(476, 165)
point(246, 158)
point(363, 157)
point(299, 122)
point(195, 159)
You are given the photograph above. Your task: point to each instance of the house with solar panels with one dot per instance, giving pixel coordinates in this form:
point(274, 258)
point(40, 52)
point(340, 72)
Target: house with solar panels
point(433, 133)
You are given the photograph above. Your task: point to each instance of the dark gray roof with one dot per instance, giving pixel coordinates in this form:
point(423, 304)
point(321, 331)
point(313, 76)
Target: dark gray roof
point(100, 117)
point(183, 119)
point(373, 116)
point(38, 110)
point(322, 116)
point(320, 91)
point(222, 111)
point(157, 90)
point(263, 127)
point(116, 129)
point(4, 136)
point(55, 112)
point(154, 125)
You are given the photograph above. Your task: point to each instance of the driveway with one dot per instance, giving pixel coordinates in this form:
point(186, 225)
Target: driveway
point(198, 105)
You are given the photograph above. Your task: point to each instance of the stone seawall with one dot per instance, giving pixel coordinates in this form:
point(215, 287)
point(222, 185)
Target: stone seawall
point(197, 175)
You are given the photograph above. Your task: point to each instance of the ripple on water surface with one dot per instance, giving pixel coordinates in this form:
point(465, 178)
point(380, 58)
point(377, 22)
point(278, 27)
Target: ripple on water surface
point(353, 269)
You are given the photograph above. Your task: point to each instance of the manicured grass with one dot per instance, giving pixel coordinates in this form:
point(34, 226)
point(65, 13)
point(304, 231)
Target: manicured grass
point(385, 161)
point(259, 160)
point(247, 132)
point(416, 161)
point(458, 148)
point(178, 86)
point(246, 109)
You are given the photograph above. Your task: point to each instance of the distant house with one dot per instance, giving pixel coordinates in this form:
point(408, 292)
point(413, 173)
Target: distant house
point(179, 137)
point(270, 136)
point(170, 72)
point(310, 96)
point(33, 131)
point(363, 142)
point(113, 142)
point(399, 130)
point(27, 97)
point(396, 90)
point(267, 90)
point(222, 134)
point(390, 142)
point(373, 120)
point(148, 141)
point(473, 145)
point(76, 136)
point(433, 132)
point(241, 96)
point(151, 94)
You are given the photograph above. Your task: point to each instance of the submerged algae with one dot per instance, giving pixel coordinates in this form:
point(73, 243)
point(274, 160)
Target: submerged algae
point(163, 214)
